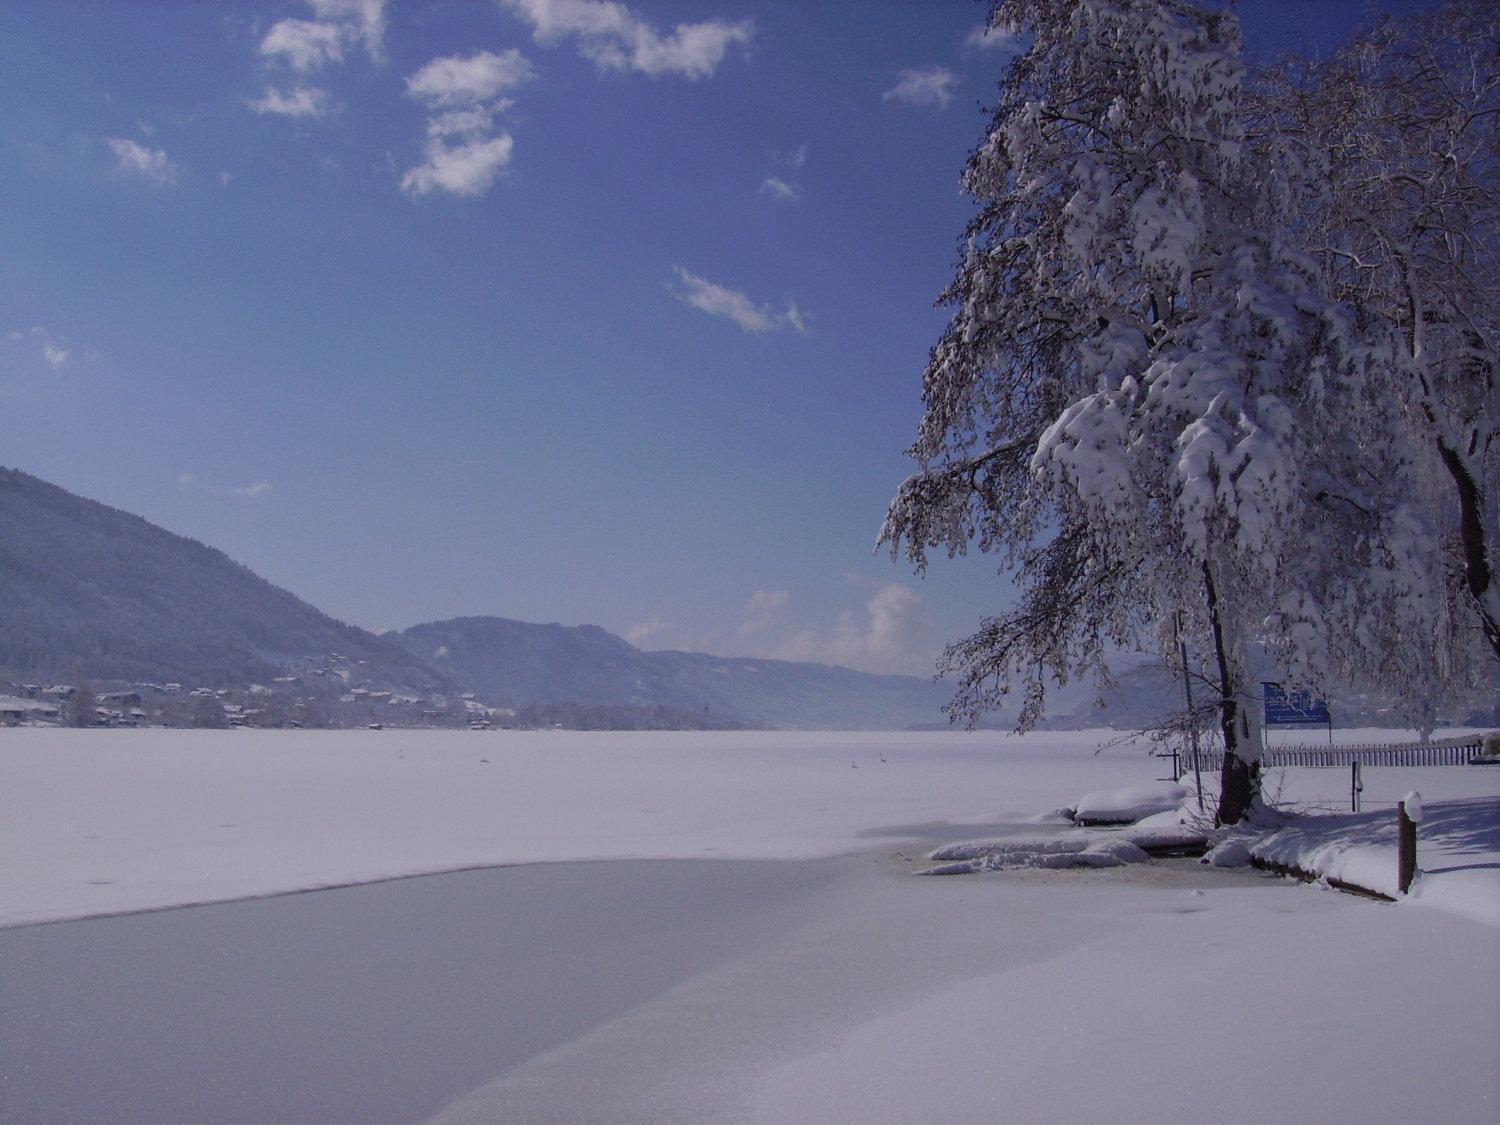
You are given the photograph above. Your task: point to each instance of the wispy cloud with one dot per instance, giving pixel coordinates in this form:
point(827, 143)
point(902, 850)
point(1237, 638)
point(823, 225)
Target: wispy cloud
point(639, 634)
point(987, 38)
point(784, 184)
point(463, 154)
point(361, 19)
point(731, 304)
point(304, 45)
point(929, 86)
point(465, 122)
point(468, 168)
point(469, 81)
point(778, 188)
point(53, 353)
point(307, 45)
point(615, 38)
point(762, 610)
point(890, 633)
point(256, 491)
point(137, 160)
point(299, 101)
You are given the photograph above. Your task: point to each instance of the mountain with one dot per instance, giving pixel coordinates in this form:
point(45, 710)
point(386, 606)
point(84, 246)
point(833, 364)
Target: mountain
point(515, 662)
point(90, 592)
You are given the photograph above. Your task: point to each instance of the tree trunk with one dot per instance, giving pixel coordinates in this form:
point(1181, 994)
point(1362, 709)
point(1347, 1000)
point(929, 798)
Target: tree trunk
point(1240, 784)
point(1479, 579)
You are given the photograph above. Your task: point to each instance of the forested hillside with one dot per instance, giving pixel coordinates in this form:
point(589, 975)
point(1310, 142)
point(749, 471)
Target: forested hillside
point(88, 591)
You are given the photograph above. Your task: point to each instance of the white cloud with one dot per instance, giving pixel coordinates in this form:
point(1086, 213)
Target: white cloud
point(362, 19)
point(717, 300)
point(932, 85)
point(778, 188)
point(464, 122)
point(986, 38)
point(785, 187)
point(890, 634)
point(762, 610)
point(254, 491)
point(138, 160)
point(463, 169)
point(304, 45)
point(300, 101)
point(470, 81)
point(309, 45)
point(463, 93)
point(53, 354)
point(639, 634)
point(614, 38)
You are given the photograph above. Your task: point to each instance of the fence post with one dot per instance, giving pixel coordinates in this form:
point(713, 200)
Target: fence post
point(1408, 813)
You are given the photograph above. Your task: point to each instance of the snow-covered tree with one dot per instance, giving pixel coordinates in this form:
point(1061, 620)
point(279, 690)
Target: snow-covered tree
point(1146, 401)
point(1403, 127)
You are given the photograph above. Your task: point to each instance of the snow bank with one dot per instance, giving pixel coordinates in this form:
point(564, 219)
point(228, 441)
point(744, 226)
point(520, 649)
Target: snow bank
point(1128, 805)
point(1073, 850)
point(1458, 853)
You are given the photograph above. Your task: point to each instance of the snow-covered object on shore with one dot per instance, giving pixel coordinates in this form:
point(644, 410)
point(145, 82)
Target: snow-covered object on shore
point(1233, 852)
point(1077, 850)
point(1412, 802)
point(1128, 805)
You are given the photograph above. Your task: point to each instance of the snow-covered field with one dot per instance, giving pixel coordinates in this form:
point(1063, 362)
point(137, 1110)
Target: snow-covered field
point(827, 985)
point(104, 821)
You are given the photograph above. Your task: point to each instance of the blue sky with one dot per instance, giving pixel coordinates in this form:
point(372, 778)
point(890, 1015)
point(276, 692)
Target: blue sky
point(554, 309)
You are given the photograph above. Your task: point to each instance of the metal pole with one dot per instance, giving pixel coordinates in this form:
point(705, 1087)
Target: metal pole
point(1187, 689)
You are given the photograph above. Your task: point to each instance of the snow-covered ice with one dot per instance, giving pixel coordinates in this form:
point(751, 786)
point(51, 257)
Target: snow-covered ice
point(95, 822)
point(819, 983)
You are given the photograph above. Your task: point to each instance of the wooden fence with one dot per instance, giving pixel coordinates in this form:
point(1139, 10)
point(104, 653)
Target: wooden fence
point(1439, 752)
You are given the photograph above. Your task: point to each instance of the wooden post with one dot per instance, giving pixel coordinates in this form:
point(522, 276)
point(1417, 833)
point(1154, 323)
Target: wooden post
point(1406, 843)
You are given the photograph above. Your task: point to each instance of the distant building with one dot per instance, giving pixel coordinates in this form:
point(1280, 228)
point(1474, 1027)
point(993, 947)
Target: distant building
point(14, 710)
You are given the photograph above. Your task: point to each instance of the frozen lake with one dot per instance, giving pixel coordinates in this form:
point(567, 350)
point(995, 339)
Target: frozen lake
point(98, 822)
point(616, 974)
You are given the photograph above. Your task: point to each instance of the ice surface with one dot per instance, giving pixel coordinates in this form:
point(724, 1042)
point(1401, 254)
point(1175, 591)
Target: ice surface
point(834, 989)
point(96, 822)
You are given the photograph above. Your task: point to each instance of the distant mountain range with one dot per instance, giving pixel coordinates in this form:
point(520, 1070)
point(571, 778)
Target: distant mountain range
point(514, 662)
point(91, 593)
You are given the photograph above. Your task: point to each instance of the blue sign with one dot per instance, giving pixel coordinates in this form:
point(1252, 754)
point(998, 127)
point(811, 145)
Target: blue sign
point(1290, 709)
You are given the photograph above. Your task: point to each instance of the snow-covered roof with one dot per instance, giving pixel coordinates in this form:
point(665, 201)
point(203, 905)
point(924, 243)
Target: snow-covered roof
point(10, 704)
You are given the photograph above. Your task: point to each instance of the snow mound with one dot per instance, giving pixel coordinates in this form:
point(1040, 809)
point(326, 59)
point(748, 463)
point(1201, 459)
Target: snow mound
point(1128, 805)
point(1229, 853)
point(1054, 852)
